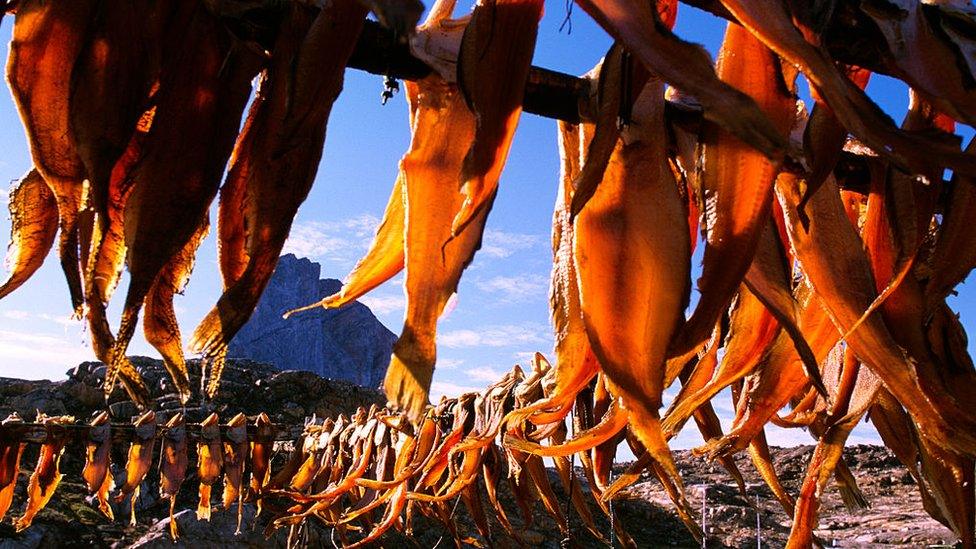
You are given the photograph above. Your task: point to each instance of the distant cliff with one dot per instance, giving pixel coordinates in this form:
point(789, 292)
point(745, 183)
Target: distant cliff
point(348, 343)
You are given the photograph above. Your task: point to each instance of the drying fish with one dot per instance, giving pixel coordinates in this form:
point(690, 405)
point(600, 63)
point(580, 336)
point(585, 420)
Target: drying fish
point(173, 462)
point(443, 128)
point(235, 455)
point(204, 84)
point(97, 462)
point(737, 182)
point(159, 323)
point(280, 152)
point(34, 224)
point(628, 234)
point(138, 461)
point(210, 460)
point(688, 67)
point(113, 81)
point(47, 474)
point(770, 21)
point(262, 445)
point(46, 42)
point(496, 103)
point(11, 448)
point(383, 260)
point(925, 43)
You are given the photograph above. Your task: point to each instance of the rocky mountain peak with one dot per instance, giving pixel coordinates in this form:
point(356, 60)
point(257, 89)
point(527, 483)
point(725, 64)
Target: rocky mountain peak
point(349, 343)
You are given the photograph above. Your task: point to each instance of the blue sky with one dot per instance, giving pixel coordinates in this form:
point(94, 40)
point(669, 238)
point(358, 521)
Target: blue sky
point(501, 314)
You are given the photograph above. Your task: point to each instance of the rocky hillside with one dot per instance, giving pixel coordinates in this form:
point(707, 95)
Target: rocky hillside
point(895, 517)
point(347, 343)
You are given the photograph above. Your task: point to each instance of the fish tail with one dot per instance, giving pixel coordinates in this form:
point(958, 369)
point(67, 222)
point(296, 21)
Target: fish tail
point(203, 507)
point(132, 506)
point(34, 225)
point(163, 332)
point(103, 504)
point(6, 497)
point(174, 531)
point(407, 382)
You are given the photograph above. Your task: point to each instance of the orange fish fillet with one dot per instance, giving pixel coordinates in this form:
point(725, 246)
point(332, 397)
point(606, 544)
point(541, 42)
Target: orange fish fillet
point(282, 149)
point(499, 37)
point(34, 225)
point(737, 181)
point(633, 257)
point(47, 474)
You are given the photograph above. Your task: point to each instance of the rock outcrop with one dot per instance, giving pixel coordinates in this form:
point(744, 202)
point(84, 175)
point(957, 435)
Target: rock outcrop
point(347, 343)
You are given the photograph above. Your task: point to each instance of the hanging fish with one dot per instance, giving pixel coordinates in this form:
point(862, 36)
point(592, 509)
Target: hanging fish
point(47, 474)
point(139, 460)
point(210, 460)
point(262, 445)
point(47, 39)
point(34, 224)
point(173, 463)
point(276, 159)
point(97, 473)
point(235, 456)
point(11, 448)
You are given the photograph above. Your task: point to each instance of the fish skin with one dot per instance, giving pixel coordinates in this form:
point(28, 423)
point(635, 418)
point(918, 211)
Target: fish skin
point(846, 287)
point(384, 259)
point(632, 233)
point(204, 86)
point(687, 67)
point(210, 461)
point(434, 261)
point(11, 449)
point(34, 226)
point(97, 473)
point(304, 78)
point(138, 460)
point(771, 22)
point(235, 456)
point(159, 322)
point(262, 445)
point(47, 474)
point(47, 39)
point(496, 103)
point(737, 182)
point(173, 463)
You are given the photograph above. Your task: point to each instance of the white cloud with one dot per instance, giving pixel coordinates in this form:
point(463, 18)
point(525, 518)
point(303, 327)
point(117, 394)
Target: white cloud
point(516, 288)
point(16, 315)
point(496, 336)
point(341, 240)
point(382, 305)
point(483, 373)
point(450, 390)
point(449, 363)
point(500, 244)
point(37, 356)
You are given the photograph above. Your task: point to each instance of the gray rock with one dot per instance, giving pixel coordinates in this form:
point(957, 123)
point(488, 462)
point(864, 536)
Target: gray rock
point(349, 343)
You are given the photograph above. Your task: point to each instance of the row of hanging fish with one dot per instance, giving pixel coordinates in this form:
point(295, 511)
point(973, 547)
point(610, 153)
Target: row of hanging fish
point(361, 475)
point(371, 472)
point(812, 296)
point(223, 452)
